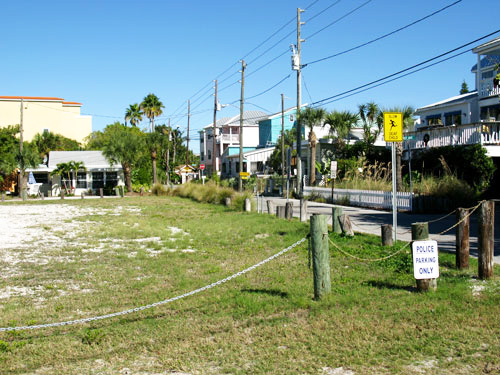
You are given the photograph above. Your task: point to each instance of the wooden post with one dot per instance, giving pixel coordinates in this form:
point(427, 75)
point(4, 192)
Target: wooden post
point(386, 234)
point(462, 239)
point(320, 255)
point(336, 213)
point(62, 194)
point(42, 195)
point(289, 210)
point(248, 205)
point(420, 232)
point(345, 225)
point(227, 201)
point(3, 196)
point(141, 192)
point(486, 240)
point(269, 207)
point(101, 192)
point(83, 195)
point(280, 212)
point(303, 210)
point(121, 189)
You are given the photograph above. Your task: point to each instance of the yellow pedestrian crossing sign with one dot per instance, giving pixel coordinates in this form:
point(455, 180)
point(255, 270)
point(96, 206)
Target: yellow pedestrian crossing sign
point(393, 126)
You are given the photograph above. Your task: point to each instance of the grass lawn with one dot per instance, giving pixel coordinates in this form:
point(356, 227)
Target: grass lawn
point(109, 255)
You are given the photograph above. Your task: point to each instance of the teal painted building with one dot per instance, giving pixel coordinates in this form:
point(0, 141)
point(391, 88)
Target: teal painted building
point(270, 128)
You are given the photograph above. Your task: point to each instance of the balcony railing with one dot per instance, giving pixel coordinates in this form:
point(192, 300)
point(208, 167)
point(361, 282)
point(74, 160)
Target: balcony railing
point(485, 133)
point(487, 88)
point(229, 138)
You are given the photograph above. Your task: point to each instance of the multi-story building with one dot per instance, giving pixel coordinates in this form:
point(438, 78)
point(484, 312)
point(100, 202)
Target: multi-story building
point(41, 114)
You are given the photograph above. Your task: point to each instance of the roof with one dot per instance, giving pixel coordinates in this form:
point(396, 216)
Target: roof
point(91, 159)
point(487, 61)
point(72, 103)
point(489, 46)
point(41, 98)
point(453, 100)
point(250, 118)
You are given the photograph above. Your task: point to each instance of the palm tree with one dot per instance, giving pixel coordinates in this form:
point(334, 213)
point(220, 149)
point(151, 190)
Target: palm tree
point(312, 117)
point(154, 144)
point(133, 114)
point(152, 107)
point(64, 171)
point(166, 132)
point(77, 166)
point(341, 123)
point(370, 115)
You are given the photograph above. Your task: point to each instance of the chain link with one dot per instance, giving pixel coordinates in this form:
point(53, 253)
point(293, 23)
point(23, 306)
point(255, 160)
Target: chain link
point(155, 304)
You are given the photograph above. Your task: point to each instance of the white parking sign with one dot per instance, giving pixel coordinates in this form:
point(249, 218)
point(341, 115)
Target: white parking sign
point(425, 259)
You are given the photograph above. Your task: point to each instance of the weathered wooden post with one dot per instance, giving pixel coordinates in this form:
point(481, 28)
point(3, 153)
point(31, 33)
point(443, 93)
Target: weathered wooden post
point(101, 192)
point(420, 232)
point(42, 195)
point(83, 195)
point(227, 201)
point(289, 210)
point(345, 225)
point(269, 207)
point(141, 192)
point(280, 212)
point(62, 194)
point(122, 191)
point(248, 205)
point(320, 255)
point(462, 239)
point(303, 210)
point(386, 234)
point(336, 213)
point(3, 196)
point(486, 240)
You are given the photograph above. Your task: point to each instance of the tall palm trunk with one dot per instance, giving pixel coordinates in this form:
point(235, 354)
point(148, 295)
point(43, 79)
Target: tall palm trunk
point(312, 166)
point(153, 159)
point(126, 173)
point(173, 156)
point(167, 169)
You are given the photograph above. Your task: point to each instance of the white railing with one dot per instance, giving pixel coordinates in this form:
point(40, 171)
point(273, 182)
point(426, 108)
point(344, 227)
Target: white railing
point(363, 198)
point(229, 138)
point(487, 88)
point(485, 133)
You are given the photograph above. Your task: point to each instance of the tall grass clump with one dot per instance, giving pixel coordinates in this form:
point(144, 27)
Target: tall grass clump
point(159, 189)
point(212, 193)
point(366, 176)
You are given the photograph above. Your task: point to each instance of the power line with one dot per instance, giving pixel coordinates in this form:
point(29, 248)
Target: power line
point(407, 69)
point(339, 19)
point(323, 11)
point(305, 85)
point(384, 36)
point(270, 88)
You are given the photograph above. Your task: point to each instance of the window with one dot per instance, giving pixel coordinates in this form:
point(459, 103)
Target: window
point(209, 155)
point(41, 178)
point(453, 118)
point(202, 155)
point(488, 74)
point(97, 180)
point(111, 179)
point(81, 180)
point(434, 120)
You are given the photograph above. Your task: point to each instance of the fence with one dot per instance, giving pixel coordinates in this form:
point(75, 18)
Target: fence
point(364, 198)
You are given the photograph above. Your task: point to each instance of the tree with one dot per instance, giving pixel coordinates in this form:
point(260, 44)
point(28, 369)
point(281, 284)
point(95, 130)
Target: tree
point(370, 116)
point(154, 142)
point(312, 117)
point(68, 171)
point(124, 145)
point(47, 141)
point(152, 107)
point(165, 147)
point(275, 158)
point(464, 89)
point(133, 114)
point(341, 123)
point(9, 147)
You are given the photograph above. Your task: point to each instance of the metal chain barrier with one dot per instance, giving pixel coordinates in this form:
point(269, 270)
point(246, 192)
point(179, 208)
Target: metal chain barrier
point(365, 259)
point(150, 306)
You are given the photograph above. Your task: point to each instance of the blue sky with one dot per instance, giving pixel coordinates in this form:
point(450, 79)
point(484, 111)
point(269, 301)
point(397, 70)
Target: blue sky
point(108, 54)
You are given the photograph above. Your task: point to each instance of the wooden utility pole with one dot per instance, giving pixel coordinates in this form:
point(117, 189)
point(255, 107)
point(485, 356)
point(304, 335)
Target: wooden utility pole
point(214, 135)
point(462, 239)
point(486, 240)
point(243, 66)
point(320, 255)
point(299, 104)
point(283, 141)
point(22, 193)
point(167, 156)
point(187, 138)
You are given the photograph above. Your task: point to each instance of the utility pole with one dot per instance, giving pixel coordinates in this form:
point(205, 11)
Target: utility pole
point(243, 66)
point(187, 139)
point(21, 140)
point(299, 103)
point(282, 141)
point(214, 134)
point(169, 130)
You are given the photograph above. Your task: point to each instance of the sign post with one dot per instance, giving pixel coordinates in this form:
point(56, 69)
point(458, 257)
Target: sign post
point(244, 175)
point(333, 174)
point(425, 260)
point(202, 167)
point(393, 132)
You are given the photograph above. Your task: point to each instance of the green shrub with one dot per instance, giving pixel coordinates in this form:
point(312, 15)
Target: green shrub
point(159, 189)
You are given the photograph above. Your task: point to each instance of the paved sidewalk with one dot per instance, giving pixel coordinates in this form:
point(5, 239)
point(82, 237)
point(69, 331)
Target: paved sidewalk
point(369, 221)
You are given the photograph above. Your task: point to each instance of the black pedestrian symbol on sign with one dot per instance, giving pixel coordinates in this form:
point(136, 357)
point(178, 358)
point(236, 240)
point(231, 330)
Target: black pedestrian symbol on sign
point(393, 124)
